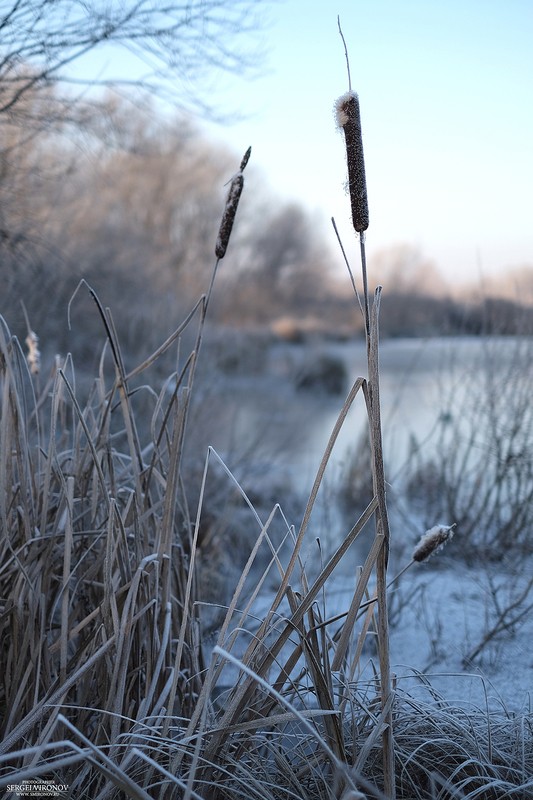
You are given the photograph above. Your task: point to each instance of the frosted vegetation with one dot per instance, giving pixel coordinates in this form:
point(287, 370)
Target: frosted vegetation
point(203, 591)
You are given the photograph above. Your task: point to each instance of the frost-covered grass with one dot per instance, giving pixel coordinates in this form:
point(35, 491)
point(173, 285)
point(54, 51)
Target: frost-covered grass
point(135, 664)
point(111, 682)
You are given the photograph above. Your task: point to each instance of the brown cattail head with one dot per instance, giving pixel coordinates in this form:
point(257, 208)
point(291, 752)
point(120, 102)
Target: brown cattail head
point(432, 541)
point(349, 119)
point(230, 209)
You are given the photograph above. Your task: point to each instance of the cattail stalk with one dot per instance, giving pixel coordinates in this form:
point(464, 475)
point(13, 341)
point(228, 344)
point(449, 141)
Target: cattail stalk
point(349, 119)
point(230, 209)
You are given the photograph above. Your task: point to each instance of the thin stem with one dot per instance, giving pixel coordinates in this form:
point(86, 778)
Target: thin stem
point(345, 53)
point(350, 273)
point(382, 533)
point(365, 286)
point(366, 603)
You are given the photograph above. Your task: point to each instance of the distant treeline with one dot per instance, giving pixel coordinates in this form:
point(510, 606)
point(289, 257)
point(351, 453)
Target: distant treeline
point(405, 314)
point(419, 315)
point(132, 204)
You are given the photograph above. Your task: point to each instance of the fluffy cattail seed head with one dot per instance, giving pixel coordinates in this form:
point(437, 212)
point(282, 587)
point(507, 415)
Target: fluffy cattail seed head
point(230, 209)
point(349, 119)
point(34, 354)
point(433, 540)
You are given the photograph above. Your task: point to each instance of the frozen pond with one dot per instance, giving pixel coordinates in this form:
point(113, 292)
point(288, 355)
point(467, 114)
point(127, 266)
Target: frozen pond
point(421, 380)
point(446, 605)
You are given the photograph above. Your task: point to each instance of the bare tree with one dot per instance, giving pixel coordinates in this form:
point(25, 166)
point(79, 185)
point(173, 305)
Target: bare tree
point(150, 201)
point(282, 261)
point(406, 270)
point(177, 42)
point(46, 122)
point(133, 207)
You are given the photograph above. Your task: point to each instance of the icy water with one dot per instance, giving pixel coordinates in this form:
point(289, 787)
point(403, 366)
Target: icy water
point(422, 383)
point(275, 435)
point(448, 605)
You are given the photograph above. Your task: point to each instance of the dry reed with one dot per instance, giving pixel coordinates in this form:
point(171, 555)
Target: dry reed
point(348, 117)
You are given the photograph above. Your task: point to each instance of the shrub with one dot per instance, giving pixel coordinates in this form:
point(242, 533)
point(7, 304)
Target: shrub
point(478, 469)
point(322, 373)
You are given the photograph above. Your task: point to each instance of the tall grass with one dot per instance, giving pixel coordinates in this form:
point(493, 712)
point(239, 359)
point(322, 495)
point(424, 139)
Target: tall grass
point(109, 685)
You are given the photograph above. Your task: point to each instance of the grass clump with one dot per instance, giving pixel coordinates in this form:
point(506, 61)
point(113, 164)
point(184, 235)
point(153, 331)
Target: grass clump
point(107, 683)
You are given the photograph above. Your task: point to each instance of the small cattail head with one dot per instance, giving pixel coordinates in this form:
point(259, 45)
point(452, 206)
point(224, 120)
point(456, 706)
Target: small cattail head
point(34, 354)
point(230, 209)
point(228, 217)
point(245, 159)
point(349, 119)
point(433, 540)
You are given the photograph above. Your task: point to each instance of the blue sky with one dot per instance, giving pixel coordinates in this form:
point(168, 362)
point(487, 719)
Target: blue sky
point(446, 93)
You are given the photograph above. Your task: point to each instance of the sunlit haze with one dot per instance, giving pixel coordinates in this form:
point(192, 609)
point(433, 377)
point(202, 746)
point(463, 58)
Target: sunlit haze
point(445, 92)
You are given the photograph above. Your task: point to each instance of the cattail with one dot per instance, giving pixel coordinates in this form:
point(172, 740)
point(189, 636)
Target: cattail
point(349, 119)
point(432, 541)
point(230, 209)
point(34, 354)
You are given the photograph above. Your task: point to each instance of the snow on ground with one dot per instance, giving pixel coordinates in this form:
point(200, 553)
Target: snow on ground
point(441, 610)
point(438, 617)
point(439, 614)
